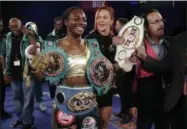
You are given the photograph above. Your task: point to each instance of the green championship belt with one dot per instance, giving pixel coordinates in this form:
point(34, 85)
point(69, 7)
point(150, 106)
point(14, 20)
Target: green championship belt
point(54, 61)
point(49, 44)
point(99, 69)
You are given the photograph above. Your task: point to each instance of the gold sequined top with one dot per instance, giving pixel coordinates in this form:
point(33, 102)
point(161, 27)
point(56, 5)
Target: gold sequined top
point(78, 63)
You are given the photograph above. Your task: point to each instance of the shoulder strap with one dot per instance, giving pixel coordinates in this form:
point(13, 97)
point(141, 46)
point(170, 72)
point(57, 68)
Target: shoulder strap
point(93, 44)
point(49, 44)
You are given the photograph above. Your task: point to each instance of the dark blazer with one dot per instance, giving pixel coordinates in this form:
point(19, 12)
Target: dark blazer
point(175, 61)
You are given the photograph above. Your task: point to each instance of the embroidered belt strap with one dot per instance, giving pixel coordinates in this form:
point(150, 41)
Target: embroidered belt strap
point(99, 69)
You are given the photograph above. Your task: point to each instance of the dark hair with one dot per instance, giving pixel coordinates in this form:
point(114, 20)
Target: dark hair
point(144, 15)
point(122, 20)
point(67, 12)
point(57, 19)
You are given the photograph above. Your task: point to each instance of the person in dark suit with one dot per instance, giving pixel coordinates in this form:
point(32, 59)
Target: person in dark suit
point(3, 113)
point(148, 90)
point(175, 95)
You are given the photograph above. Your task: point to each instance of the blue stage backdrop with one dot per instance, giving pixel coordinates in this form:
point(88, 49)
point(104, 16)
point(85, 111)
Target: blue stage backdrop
point(43, 12)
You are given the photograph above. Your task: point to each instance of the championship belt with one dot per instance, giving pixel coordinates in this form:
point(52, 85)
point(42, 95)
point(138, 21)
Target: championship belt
point(52, 62)
point(49, 44)
point(99, 69)
point(75, 101)
point(130, 37)
point(76, 104)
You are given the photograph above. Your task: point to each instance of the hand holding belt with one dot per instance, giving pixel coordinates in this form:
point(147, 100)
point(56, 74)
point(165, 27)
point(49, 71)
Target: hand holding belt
point(52, 63)
point(130, 38)
point(38, 65)
point(28, 49)
point(36, 61)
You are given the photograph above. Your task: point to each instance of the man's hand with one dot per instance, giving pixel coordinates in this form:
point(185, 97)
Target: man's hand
point(141, 52)
point(133, 112)
point(7, 79)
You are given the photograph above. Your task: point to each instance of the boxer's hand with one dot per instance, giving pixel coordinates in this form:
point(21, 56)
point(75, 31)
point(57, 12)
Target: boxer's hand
point(33, 49)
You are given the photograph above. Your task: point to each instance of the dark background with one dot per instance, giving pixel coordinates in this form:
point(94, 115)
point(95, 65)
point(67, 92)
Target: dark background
point(43, 12)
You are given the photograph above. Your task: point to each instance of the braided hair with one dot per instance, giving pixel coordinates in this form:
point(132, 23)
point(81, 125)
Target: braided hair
point(67, 12)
